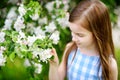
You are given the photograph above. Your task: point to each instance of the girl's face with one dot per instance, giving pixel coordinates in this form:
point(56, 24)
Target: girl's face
point(81, 36)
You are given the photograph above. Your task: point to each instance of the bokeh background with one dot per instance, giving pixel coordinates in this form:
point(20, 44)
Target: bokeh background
point(17, 71)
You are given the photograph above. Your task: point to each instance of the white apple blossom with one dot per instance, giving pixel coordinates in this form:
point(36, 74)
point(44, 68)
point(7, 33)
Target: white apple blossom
point(22, 10)
point(64, 21)
point(10, 18)
point(45, 55)
point(42, 20)
point(22, 41)
point(66, 6)
point(55, 37)
point(2, 58)
point(21, 35)
point(51, 27)
point(25, 42)
point(49, 6)
point(27, 63)
point(8, 23)
point(39, 31)
point(38, 68)
point(40, 34)
point(21, 38)
point(34, 16)
point(41, 37)
point(35, 53)
point(2, 37)
point(12, 13)
point(31, 40)
point(19, 24)
point(2, 49)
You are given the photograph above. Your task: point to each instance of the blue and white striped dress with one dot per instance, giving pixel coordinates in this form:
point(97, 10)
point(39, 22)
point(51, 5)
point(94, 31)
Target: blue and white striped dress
point(83, 67)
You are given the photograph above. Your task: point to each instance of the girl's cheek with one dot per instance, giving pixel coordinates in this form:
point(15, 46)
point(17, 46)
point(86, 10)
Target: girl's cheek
point(73, 39)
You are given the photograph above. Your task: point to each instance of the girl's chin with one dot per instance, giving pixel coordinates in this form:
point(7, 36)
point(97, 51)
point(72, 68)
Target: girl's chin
point(78, 45)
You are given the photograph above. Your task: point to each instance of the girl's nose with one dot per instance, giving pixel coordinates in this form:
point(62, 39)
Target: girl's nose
point(74, 38)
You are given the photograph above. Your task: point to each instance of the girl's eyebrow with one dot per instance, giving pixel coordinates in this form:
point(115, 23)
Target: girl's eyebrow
point(77, 32)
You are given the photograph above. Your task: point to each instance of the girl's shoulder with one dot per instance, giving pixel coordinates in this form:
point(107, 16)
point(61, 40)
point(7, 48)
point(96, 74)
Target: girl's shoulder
point(112, 60)
point(113, 68)
point(113, 63)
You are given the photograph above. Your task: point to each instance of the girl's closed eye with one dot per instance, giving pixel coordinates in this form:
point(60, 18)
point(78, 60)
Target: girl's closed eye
point(78, 34)
point(81, 35)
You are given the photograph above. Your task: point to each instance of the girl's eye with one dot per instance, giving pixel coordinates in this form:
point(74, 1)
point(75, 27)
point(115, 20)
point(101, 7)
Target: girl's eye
point(80, 35)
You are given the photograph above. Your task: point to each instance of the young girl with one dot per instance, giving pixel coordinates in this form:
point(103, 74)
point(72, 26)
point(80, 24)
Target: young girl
point(90, 54)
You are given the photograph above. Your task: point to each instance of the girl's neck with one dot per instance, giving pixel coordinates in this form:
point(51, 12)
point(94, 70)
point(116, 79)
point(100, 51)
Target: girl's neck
point(89, 51)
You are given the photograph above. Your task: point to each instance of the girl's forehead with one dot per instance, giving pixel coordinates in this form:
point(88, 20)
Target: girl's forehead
point(75, 27)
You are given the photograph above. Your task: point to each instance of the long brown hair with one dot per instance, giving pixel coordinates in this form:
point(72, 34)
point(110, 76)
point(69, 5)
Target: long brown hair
point(94, 16)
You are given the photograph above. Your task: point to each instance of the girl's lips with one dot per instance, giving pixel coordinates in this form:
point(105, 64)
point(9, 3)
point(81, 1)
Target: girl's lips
point(77, 43)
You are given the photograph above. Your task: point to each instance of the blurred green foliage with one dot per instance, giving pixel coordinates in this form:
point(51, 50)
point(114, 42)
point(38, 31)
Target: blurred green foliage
point(117, 51)
point(17, 71)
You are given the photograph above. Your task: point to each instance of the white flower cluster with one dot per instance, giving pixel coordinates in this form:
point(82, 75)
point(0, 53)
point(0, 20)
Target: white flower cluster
point(35, 16)
point(63, 21)
point(39, 32)
point(21, 38)
point(42, 20)
point(11, 17)
point(38, 68)
point(2, 57)
point(55, 37)
point(35, 37)
point(50, 5)
point(21, 10)
point(2, 37)
point(43, 54)
point(51, 27)
point(19, 24)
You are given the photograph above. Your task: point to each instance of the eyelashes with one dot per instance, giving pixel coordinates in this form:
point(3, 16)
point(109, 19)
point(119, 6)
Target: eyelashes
point(77, 34)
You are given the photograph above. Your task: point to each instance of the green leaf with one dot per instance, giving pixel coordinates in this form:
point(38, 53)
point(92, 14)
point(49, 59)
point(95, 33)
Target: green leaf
point(23, 47)
point(14, 36)
point(12, 56)
point(29, 55)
